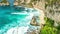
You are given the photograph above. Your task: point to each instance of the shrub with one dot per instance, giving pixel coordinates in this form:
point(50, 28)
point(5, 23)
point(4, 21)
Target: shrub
point(48, 28)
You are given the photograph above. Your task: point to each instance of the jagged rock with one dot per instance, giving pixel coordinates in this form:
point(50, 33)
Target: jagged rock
point(53, 10)
point(53, 13)
point(34, 21)
point(16, 3)
point(4, 3)
point(33, 30)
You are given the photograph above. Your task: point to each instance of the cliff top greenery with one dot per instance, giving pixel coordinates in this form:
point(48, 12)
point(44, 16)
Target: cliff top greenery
point(49, 28)
point(4, 1)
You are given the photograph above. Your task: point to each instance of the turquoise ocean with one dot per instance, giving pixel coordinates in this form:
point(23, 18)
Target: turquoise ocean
point(15, 17)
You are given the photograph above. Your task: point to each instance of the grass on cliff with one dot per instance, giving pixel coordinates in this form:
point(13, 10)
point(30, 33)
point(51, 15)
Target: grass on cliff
point(49, 28)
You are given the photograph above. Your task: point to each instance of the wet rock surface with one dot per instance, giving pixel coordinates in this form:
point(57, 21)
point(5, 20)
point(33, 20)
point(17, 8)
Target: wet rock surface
point(33, 30)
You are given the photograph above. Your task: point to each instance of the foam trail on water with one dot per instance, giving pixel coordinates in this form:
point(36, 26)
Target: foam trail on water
point(23, 29)
point(19, 13)
point(20, 21)
point(17, 30)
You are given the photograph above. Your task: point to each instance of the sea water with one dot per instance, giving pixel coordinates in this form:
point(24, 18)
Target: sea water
point(15, 20)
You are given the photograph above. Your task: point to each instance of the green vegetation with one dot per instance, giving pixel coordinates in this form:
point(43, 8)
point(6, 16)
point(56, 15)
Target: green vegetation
point(49, 22)
point(49, 28)
point(4, 1)
point(51, 2)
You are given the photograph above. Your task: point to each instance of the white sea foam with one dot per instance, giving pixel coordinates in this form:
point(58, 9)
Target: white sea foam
point(23, 29)
point(17, 30)
point(19, 13)
point(29, 18)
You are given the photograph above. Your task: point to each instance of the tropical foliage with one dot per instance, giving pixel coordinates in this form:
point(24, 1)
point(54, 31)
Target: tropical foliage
point(49, 28)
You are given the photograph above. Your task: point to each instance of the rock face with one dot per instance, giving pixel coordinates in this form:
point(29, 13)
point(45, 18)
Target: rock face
point(32, 32)
point(40, 3)
point(21, 2)
point(34, 21)
point(2, 3)
point(53, 12)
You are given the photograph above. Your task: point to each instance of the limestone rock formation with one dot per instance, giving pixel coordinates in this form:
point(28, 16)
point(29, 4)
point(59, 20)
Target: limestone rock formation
point(53, 10)
point(4, 3)
point(34, 21)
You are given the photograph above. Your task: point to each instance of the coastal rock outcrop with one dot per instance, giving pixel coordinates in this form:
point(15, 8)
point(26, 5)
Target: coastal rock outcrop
point(34, 21)
point(4, 3)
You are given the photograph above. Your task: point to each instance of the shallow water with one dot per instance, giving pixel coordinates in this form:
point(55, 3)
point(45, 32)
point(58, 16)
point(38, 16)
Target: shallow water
point(12, 18)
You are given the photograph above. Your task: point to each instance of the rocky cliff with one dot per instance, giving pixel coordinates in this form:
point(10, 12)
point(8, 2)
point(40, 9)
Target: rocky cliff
point(53, 10)
point(4, 3)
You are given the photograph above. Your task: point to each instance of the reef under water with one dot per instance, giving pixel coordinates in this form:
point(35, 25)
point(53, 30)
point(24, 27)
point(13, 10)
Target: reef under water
point(16, 20)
